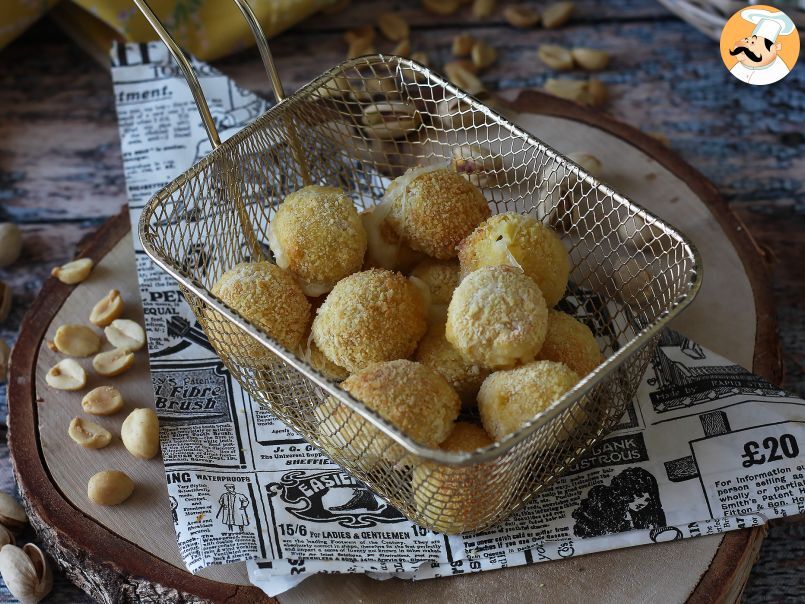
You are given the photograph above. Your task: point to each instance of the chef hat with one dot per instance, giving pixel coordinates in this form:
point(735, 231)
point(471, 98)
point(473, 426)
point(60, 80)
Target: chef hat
point(769, 25)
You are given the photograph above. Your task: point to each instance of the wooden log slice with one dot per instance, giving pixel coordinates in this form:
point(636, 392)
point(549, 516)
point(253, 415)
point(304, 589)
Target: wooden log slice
point(129, 554)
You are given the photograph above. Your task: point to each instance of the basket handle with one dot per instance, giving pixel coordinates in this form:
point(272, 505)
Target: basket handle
point(190, 75)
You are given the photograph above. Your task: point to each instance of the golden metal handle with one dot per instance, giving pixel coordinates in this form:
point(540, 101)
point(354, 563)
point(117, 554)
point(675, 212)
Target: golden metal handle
point(262, 45)
point(187, 70)
point(276, 83)
point(190, 75)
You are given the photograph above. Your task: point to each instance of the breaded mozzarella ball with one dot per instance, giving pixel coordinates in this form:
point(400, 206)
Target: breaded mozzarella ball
point(318, 236)
point(385, 248)
point(571, 342)
point(268, 297)
point(441, 278)
point(414, 399)
point(452, 499)
point(521, 241)
point(509, 399)
point(497, 317)
point(433, 209)
point(440, 355)
point(370, 317)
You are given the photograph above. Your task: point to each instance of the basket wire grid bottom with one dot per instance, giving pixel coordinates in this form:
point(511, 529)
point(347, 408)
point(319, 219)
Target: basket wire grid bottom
point(630, 274)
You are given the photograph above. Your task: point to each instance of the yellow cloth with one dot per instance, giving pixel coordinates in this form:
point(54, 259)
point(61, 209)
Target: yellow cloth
point(206, 28)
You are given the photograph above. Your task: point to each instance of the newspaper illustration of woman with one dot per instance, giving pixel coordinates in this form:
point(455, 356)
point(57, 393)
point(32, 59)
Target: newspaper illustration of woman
point(631, 501)
point(232, 509)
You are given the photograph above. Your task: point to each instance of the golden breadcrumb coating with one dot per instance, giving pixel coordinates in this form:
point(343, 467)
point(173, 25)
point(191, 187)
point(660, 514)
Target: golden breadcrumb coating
point(385, 248)
point(521, 241)
point(413, 398)
point(497, 317)
point(434, 209)
point(466, 436)
point(318, 236)
point(571, 342)
point(316, 359)
point(509, 399)
point(458, 498)
point(370, 317)
point(440, 355)
point(267, 296)
point(441, 278)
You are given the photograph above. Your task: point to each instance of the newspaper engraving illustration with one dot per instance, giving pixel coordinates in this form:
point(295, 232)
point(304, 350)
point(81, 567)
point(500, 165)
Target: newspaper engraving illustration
point(233, 509)
point(705, 447)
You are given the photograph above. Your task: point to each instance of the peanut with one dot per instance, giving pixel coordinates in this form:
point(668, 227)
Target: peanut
point(76, 340)
point(10, 243)
point(112, 362)
point(73, 272)
point(89, 434)
point(108, 308)
point(477, 164)
point(366, 32)
point(140, 433)
point(392, 120)
point(67, 374)
point(590, 58)
point(403, 48)
point(421, 57)
point(125, 334)
point(586, 92)
point(462, 77)
point(521, 16)
point(393, 26)
point(441, 7)
point(12, 514)
point(589, 162)
point(555, 57)
point(556, 15)
point(104, 400)
point(360, 47)
point(483, 55)
point(482, 9)
point(462, 45)
point(110, 487)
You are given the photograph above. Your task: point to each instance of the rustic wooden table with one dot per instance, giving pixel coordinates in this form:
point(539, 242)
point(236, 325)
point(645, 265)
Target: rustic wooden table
point(61, 173)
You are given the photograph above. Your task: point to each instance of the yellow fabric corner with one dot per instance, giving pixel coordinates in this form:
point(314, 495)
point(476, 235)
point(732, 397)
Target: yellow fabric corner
point(17, 15)
point(206, 28)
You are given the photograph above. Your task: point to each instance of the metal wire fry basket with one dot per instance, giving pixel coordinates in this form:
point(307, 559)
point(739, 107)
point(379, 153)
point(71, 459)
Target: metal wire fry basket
point(631, 273)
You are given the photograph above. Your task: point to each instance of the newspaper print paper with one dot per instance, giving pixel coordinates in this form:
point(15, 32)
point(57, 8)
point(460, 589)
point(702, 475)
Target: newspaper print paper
point(706, 447)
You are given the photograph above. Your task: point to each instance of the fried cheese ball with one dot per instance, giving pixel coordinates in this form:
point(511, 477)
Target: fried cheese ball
point(521, 241)
point(455, 499)
point(509, 399)
point(316, 359)
point(440, 355)
point(318, 236)
point(269, 297)
point(370, 317)
point(441, 278)
point(385, 248)
point(413, 398)
point(571, 342)
point(497, 317)
point(433, 209)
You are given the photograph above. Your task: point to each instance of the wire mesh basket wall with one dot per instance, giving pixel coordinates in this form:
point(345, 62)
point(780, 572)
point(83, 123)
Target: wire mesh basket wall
point(357, 127)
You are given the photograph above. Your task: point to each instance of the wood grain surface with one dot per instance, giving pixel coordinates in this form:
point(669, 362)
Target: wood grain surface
point(61, 175)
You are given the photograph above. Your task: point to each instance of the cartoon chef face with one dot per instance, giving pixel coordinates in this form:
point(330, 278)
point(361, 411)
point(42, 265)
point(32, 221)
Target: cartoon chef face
point(755, 51)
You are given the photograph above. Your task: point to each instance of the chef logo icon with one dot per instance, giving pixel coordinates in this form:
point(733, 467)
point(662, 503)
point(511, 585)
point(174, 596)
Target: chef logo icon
point(760, 45)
